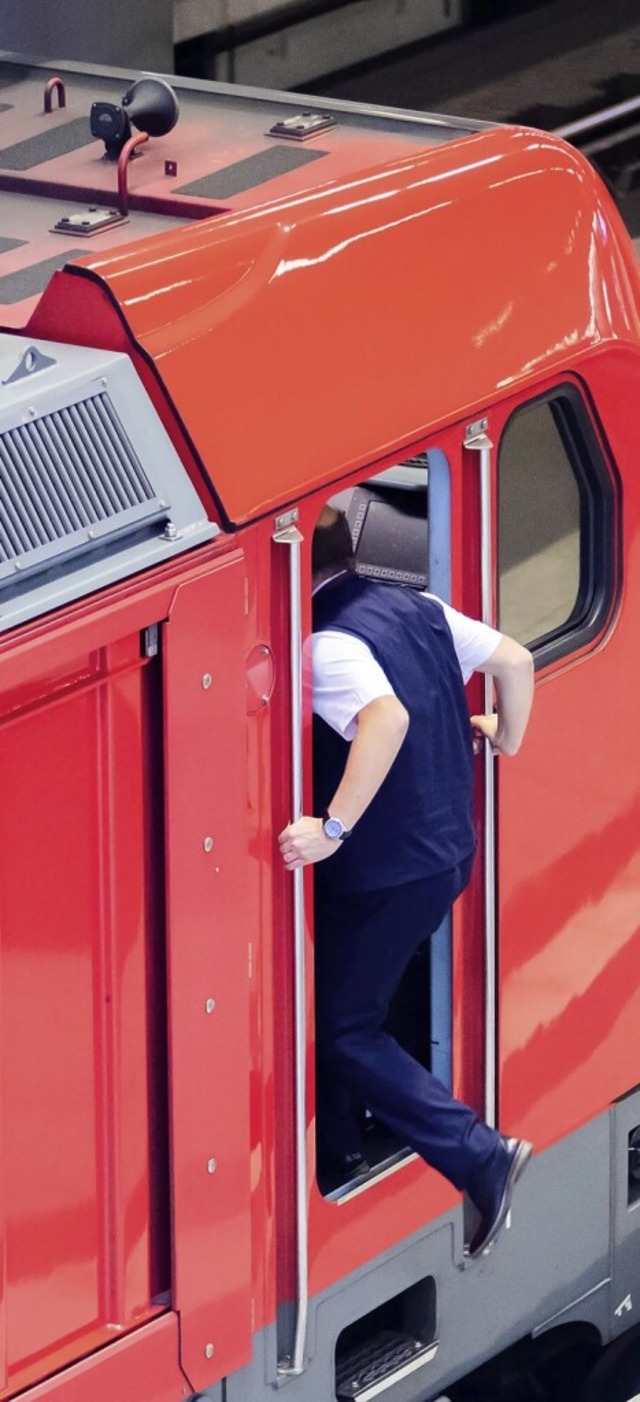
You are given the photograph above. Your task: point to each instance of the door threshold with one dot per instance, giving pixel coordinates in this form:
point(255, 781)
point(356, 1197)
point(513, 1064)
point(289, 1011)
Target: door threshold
point(347, 1191)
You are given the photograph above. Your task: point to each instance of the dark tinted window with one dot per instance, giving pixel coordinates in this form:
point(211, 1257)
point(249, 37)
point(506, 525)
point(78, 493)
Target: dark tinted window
point(555, 524)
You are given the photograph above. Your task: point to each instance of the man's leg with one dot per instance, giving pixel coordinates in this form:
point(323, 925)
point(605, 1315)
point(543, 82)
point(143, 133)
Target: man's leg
point(364, 944)
point(338, 1134)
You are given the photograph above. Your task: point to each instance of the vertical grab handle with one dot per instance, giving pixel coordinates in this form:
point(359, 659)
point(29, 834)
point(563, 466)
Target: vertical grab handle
point(477, 441)
point(287, 533)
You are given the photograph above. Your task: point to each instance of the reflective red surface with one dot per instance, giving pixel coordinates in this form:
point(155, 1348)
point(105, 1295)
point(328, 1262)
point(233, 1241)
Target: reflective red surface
point(76, 921)
point(210, 939)
point(279, 333)
point(569, 875)
point(145, 918)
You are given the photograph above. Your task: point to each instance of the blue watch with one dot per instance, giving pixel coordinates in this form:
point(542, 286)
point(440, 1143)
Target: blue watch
point(333, 828)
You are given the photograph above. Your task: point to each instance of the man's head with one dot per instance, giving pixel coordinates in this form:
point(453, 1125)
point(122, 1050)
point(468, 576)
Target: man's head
point(332, 545)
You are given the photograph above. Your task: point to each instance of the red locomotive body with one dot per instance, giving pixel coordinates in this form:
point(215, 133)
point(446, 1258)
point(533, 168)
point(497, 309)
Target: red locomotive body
point(440, 320)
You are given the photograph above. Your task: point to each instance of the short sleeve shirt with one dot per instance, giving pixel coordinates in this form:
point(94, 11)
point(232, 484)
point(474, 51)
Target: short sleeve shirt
point(346, 675)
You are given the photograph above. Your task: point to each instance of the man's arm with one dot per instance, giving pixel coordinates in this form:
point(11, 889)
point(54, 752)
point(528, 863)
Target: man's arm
point(511, 667)
point(381, 727)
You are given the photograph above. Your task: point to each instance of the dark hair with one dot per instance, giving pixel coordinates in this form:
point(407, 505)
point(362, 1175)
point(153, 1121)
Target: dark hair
point(332, 545)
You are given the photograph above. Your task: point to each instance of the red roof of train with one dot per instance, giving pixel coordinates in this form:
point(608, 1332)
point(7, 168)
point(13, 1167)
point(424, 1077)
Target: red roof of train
point(405, 279)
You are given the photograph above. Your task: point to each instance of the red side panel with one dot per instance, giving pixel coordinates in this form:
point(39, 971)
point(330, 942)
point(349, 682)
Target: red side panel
point(143, 1365)
point(569, 874)
point(209, 950)
point(76, 924)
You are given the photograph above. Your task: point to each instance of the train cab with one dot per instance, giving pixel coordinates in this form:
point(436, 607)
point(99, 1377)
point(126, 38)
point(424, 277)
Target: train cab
point(221, 310)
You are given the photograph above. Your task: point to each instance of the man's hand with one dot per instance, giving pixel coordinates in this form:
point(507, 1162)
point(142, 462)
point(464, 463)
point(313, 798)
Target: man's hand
point(488, 728)
point(484, 728)
point(511, 667)
point(304, 842)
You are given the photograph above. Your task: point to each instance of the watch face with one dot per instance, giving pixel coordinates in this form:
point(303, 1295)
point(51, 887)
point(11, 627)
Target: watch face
point(333, 827)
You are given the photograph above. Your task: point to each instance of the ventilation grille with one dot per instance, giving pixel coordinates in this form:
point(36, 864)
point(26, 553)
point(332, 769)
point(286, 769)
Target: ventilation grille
point(68, 480)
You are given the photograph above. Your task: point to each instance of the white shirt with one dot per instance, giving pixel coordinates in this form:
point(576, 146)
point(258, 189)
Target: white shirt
point(346, 675)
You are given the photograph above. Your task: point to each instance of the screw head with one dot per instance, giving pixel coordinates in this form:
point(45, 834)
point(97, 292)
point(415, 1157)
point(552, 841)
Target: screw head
point(207, 680)
point(208, 844)
point(209, 1350)
point(212, 1165)
point(210, 1005)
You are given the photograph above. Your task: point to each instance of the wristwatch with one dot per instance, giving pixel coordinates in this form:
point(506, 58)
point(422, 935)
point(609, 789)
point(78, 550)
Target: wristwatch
point(333, 828)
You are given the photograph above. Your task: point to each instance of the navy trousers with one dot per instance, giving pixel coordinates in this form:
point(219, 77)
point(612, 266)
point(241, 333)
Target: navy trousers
point(363, 945)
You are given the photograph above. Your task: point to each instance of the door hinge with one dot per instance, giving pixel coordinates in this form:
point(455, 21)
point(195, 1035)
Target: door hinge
point(475, 435)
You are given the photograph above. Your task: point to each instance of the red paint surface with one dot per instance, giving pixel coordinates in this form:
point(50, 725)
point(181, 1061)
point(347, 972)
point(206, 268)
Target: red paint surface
point(145, 1360)
point(242, 310)
point(75, 928)
point(289, 347)
point(209, 952)
point(569, 876)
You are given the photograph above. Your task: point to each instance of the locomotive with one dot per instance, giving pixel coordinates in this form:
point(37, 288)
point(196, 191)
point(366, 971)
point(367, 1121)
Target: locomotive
point(221, 308)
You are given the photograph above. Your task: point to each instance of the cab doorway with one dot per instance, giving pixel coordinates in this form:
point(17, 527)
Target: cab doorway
point(399, 522)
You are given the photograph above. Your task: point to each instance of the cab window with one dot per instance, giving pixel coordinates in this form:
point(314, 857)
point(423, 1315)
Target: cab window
point(555, 526)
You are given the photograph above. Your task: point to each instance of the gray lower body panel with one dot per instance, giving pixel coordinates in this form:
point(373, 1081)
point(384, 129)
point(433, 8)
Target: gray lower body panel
point(571, 1254)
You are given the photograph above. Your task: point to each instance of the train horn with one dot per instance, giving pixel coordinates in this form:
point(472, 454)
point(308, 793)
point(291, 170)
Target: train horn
point(152, 106)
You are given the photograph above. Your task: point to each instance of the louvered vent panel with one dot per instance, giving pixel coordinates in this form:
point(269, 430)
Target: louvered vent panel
point(67, 480)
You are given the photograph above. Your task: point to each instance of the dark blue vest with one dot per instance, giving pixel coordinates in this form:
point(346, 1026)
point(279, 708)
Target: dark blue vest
point(420, 822)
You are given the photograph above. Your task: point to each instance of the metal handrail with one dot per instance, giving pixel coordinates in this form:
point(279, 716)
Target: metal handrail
point(598, 119)
point(476, 440)
point(287, 533)
point(490, 921)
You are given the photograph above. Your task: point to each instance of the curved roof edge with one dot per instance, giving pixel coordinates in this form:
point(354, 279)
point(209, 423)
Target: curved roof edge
point(301, 339)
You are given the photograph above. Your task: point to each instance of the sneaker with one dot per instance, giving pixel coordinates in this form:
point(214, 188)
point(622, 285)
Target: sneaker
point(491, 1191)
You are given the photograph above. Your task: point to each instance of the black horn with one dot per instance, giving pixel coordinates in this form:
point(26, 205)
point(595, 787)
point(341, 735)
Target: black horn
point(149, 104)
point(152, 106)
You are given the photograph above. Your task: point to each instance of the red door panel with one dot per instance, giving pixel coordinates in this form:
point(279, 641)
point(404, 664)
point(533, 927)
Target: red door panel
point(568, 867)
point(75, 926)
point(208, 969)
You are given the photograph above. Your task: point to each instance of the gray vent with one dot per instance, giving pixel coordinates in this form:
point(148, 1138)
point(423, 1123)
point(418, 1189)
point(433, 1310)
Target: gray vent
point(67, 480)
point(92, 490)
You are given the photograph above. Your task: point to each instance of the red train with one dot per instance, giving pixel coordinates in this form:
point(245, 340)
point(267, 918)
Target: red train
point(270, 305)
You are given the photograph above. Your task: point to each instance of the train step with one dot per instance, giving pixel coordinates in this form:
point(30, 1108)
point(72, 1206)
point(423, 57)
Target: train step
point(367, 1370)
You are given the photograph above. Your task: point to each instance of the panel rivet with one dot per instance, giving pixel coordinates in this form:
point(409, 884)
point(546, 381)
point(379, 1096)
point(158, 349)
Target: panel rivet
point(210, 1005)
point(209, 1350)
point(207, 680)
point(212, 1165)
point(208, 844)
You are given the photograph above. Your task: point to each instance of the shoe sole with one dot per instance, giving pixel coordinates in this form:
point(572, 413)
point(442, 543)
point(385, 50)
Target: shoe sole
point(520, 1160)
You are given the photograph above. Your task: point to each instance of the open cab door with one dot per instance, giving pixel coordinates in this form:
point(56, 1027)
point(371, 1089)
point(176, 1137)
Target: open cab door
point(408, 521)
